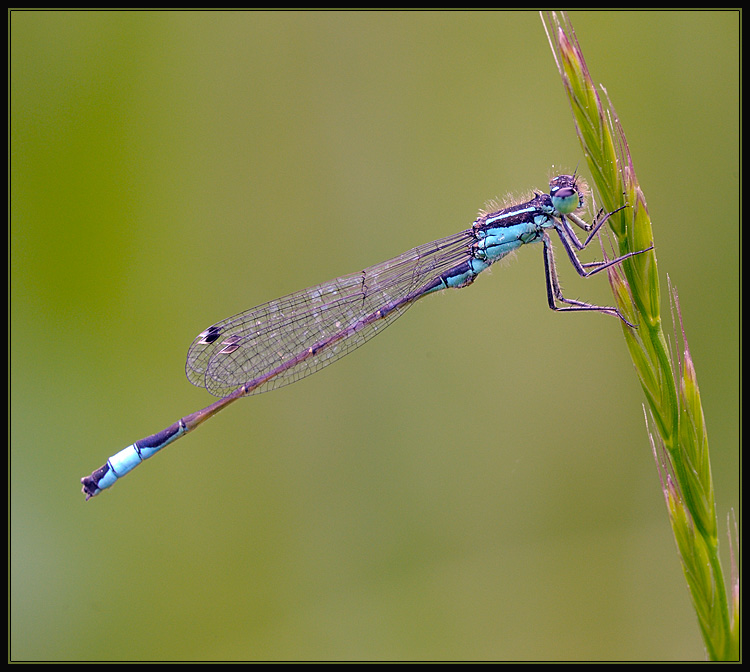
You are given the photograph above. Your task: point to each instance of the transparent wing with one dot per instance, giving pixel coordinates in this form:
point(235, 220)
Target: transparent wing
point(241, 348)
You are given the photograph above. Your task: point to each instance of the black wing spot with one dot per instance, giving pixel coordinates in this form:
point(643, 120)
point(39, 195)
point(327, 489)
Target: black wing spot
point(210, 335)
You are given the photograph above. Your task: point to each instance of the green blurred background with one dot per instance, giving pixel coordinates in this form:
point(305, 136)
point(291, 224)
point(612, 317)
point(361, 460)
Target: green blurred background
point(477, 482)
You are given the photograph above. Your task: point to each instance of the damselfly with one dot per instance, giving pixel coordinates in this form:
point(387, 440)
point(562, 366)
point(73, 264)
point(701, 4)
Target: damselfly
point(285, 340)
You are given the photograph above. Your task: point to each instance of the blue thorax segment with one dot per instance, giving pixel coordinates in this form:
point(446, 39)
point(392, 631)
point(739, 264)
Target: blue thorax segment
point(500, 233)
point(496, 235)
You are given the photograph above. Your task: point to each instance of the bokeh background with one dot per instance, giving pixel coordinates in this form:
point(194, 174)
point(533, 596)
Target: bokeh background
point(477, 482)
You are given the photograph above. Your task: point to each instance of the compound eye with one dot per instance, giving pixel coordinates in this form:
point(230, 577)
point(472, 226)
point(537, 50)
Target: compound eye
point(565, 200)
point(563, 192)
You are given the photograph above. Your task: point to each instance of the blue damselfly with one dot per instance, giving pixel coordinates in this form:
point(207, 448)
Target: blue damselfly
point(282, 341)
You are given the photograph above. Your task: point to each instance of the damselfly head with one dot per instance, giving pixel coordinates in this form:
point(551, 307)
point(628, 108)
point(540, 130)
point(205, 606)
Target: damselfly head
point(568, 193)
